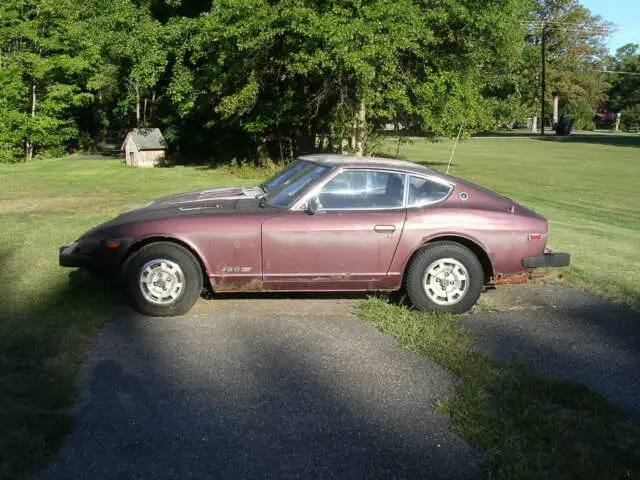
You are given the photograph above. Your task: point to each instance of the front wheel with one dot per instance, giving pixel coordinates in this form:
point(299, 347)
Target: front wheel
point(162, 279)
point(444, 277)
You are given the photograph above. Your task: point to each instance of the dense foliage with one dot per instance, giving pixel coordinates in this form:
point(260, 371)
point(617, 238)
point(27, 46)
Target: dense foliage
point(575, 52)
point(271, 78)
point(624, 96)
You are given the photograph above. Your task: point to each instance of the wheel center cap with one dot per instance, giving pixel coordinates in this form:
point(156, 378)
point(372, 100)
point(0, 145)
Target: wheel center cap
point(446, 280)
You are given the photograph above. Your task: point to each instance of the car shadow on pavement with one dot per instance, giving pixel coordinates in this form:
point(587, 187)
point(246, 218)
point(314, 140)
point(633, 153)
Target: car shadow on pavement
point(569, 334)
point(244, 395)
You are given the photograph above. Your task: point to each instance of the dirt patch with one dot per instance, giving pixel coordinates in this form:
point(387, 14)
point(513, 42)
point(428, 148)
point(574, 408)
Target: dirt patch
point(507, 298)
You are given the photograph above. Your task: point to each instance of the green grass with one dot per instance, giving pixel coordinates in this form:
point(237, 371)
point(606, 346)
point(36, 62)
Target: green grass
point(47, 319)
point(526, 426)
point(586, 187)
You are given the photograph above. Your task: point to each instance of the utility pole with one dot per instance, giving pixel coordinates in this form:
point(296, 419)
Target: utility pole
point(543, 83)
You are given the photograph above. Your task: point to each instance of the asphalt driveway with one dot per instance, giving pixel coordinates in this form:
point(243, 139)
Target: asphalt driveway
point(299, 387)
point(260, 388)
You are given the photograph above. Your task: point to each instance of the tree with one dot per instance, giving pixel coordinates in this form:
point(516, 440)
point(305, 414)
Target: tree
point(133, 58)
point(43, 70)
point(624, 95)
point(575, 51)
point(288, 71)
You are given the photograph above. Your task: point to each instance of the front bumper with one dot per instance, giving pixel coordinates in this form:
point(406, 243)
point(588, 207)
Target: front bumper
point(549, 259)
point(70, 256)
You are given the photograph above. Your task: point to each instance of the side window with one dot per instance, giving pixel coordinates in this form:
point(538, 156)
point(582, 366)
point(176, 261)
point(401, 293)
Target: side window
point(423, 191)
point(363, 189)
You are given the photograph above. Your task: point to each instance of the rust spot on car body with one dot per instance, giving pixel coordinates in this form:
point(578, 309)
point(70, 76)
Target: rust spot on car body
point(254, 285)
point(516, 278)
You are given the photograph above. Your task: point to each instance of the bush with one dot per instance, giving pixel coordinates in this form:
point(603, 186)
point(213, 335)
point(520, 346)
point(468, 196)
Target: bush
point(582, 115)
point(630, 121)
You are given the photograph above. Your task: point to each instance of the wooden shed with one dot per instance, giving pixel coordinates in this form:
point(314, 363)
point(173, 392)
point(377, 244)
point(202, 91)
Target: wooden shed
point(144, 147)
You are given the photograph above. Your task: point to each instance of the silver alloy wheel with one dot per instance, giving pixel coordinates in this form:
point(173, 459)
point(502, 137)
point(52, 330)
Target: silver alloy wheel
point(161, 281)
point(446, 281)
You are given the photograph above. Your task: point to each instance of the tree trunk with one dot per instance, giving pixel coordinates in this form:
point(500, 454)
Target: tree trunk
point(262, 154)
point(153, 100)
point(28, 151)
point(360, 136)
point(29, 143)
point(137, 88)
point(144, 111)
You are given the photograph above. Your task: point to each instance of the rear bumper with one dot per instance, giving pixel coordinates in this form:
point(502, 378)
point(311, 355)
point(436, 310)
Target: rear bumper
point(549, 259)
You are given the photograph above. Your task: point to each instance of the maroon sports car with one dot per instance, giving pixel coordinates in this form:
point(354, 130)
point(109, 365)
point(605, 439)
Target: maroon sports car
point(324, 223)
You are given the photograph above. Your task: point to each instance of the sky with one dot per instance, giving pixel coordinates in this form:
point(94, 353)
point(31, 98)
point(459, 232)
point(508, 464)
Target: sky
point(625, 14)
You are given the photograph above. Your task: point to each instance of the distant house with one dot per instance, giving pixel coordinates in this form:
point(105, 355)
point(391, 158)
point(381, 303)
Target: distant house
point(144, 147)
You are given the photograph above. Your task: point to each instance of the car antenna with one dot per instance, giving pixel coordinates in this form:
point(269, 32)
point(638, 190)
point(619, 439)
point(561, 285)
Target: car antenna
point(453, 150)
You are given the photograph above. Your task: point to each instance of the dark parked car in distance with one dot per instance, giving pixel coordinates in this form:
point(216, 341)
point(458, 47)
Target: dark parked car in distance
point(324, 223)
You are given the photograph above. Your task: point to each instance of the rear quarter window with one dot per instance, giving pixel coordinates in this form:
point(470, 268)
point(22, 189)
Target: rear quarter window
point(423, 191)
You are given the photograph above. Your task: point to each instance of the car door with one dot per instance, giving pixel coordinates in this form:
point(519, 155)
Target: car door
point(347, 242)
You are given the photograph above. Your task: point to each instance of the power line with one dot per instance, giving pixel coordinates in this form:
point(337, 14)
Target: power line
point(617, 72)
point(580, 31)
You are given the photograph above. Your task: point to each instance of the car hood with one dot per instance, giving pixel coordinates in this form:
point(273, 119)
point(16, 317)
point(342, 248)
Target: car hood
point(207, 196)
point(217, 201)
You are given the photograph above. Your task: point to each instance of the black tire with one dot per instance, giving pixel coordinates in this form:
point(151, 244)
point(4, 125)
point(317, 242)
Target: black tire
point(416, 278)
point(183, 271)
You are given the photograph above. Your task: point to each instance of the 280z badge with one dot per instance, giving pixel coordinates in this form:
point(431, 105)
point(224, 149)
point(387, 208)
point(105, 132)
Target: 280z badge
point(235, 269)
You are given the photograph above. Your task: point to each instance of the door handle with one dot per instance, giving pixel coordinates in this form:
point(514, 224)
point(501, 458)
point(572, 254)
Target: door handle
point(385, 228)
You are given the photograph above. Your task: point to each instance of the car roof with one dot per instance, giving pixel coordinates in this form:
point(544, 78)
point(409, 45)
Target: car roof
point(334, 160)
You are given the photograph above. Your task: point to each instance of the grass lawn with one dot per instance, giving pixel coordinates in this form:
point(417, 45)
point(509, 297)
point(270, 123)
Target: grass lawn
point(587, 188)
point(47, 318)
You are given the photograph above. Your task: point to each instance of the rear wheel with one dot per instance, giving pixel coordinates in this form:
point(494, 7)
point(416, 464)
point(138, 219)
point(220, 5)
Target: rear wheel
point(162, 279)
point(444, 277)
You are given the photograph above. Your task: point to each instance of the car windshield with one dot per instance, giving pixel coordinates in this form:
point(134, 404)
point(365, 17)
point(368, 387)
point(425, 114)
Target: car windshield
point(292, 187)
point(284, 175)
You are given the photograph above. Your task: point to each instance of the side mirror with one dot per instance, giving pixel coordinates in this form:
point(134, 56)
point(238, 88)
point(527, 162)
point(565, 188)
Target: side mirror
point(312, 206)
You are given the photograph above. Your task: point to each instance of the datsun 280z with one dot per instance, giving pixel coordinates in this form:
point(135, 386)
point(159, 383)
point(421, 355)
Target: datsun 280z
point(324, 223)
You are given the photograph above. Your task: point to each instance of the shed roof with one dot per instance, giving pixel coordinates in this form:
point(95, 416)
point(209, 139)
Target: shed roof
point(146, 139)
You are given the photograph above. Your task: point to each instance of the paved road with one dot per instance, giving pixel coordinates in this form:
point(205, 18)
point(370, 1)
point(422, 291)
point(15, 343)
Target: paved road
point(265, 388)
point(565, 333)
